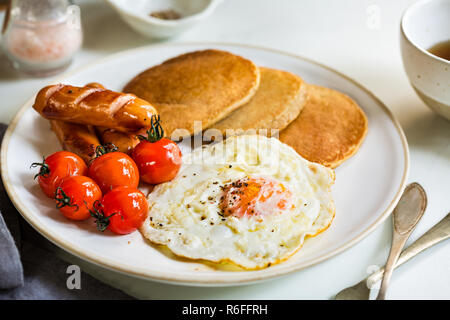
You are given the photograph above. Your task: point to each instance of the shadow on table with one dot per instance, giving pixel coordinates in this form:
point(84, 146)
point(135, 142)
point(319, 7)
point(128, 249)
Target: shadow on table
point(162, 291)
point(167, 291)
point(102, 27)
point(429, 132)
point(7, 71)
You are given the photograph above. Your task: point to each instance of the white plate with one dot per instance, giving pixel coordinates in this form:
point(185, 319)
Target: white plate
point(367, 186)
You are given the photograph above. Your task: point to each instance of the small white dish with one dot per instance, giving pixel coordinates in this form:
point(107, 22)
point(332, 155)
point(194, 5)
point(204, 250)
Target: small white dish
point(423, 25)
point(367, 188)
point(136, 13)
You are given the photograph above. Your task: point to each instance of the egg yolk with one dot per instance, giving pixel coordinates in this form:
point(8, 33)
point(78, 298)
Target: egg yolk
point(255, 196)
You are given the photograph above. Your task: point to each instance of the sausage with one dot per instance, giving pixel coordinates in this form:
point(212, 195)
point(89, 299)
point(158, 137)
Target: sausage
point(93, 105)
point(95, 85)
point(76, 138)
point(124, 141)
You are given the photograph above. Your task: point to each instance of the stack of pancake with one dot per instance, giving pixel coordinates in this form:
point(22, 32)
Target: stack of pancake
point(231, 94)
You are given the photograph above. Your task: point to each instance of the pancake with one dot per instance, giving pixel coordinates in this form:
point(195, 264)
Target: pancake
point(277, 102)
point(330, 128)
point(201, 86)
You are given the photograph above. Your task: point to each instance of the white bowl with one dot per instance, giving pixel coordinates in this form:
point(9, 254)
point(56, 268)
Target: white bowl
point(423, 25)
point(136, 13)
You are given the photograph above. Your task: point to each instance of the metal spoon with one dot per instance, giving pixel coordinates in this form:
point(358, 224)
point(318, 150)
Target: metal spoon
point(406, 215)
point(438, 233)
point(408, 212)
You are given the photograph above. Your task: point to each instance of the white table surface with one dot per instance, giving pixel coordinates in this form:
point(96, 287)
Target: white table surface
point(339, 34)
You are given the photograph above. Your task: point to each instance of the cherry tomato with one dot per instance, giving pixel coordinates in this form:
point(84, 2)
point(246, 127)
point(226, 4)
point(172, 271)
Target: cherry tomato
point(114, 169)
point(76, 195)
point(55, 168)
point(122, 210)
point(158, 158)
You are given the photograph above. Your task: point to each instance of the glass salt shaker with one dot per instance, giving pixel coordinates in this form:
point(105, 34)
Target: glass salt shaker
point(41, 37)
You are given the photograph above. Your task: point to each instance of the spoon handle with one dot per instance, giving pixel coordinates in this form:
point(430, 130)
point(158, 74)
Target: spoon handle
point(439, 232)
point(406, 215)
point(398, 242)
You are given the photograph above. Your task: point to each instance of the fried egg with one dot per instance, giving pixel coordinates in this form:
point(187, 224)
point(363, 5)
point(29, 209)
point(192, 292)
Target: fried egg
point(249, 200)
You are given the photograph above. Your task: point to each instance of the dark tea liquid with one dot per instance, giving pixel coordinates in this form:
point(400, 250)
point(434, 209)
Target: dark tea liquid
point(441, 49)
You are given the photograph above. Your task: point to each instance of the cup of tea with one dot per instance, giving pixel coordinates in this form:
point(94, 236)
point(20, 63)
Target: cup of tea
point(425, 48)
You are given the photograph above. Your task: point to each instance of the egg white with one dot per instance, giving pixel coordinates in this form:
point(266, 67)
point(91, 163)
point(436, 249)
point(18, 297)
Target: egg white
point(184, 214)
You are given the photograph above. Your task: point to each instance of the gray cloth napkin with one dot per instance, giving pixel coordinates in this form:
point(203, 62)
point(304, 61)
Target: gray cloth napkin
point(28, 270)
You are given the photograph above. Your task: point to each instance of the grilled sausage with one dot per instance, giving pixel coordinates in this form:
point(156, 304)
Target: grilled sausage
point(93, 105)
point(76, 138)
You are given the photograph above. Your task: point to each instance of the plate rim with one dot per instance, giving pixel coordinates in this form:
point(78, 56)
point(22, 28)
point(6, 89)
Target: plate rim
point(246, 277)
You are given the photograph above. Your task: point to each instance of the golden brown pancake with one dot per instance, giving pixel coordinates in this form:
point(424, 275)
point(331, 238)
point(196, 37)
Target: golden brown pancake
point(277, 102)
point(197, 86)
point(330, 128)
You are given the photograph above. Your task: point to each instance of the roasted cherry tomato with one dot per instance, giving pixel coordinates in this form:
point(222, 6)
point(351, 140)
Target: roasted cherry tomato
point(56, 167)
point(122, 210)
point(113, 169)
point(157, 158)
point(76, 195)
